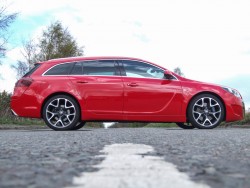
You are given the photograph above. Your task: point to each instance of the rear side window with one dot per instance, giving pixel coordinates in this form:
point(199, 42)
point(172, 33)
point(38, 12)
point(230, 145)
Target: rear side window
point(96, 68)
point(61, 69)
point(77, 70)
point(105, 68)
point(36, 66)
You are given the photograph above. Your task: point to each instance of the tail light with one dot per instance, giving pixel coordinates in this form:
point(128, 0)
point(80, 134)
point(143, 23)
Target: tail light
point(24, 82)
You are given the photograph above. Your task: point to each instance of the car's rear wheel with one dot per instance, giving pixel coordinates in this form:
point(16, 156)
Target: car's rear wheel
point(185, 125)
point(206, 111)
point(61, 112)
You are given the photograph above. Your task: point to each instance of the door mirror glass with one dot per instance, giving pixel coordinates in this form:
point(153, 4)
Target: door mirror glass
point(168, 75)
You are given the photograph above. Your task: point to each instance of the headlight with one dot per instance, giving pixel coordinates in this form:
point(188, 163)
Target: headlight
point(232, 91)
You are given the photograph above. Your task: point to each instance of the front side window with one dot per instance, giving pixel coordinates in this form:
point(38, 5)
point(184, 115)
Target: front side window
point(61, 69)
point(142, 70)
point(100, 68)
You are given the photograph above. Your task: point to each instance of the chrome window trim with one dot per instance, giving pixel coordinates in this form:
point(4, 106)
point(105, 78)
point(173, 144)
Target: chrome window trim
point(55, 66)
point(110, 75)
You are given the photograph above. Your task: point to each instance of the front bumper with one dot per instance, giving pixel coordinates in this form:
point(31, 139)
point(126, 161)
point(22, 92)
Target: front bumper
point(235, 110)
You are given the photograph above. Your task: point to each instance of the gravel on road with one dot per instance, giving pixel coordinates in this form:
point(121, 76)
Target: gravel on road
point(46, 158)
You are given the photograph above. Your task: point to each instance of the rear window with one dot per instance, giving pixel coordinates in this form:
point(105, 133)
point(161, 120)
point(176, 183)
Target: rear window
point(96, 68)
point(61, 69)
point(32, 70)
point(103, 67)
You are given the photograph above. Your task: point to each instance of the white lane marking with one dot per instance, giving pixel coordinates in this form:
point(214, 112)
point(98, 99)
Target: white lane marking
point(125, 167)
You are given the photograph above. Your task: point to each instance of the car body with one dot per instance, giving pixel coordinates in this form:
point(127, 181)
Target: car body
point(81, 89)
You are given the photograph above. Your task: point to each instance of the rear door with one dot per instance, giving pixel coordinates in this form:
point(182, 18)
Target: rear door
point(100, 85)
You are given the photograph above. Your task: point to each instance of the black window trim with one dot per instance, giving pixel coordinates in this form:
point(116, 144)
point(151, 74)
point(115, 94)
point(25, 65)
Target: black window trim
point(116, 66)
point(44, 74)
point(31, 71)
point(120, 68)
point(123, 69)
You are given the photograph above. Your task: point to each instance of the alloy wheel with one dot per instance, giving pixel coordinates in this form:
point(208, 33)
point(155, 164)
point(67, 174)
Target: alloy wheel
point(207, 111)
point(60, 112)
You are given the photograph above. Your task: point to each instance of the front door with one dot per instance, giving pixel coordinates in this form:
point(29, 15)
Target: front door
point(147, 94)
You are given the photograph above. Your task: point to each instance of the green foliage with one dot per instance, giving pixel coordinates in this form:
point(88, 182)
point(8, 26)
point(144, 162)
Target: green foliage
point(5, 104)
point(166, 125)
point(245, 121)
point(57, 42)
point(93, 125)
point(129, 124)
point(5, 21)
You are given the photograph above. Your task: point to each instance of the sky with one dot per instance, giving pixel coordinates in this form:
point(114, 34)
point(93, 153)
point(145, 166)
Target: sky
point(208, 39)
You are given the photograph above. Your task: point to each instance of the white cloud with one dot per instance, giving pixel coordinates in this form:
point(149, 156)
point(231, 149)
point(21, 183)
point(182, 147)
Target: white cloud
point(8, 79)
point(209, 39)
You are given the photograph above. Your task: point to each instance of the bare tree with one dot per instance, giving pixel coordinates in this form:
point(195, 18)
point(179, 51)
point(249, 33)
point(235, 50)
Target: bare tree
point(178, 71)
point(29, 52)
point(5, 20)
point(21, 69)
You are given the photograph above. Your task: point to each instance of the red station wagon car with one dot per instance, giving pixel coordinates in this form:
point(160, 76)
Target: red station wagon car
point(68, 92)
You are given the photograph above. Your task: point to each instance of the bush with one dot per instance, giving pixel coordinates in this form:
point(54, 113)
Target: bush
point(5, 104)
point(6, 117)
point(245, 121)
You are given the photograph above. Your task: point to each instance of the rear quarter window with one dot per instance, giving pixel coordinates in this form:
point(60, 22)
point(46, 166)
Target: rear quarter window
point(36, 66)
point(61, 69)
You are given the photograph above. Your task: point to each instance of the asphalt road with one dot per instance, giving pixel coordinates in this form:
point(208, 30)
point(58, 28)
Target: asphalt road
point(46, 158)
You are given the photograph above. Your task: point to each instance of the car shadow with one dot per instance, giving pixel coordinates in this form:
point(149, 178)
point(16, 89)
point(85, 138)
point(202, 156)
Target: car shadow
point(50, 130)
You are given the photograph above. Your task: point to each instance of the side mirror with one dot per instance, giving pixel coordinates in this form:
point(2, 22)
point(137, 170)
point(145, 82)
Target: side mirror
point(167, 72)
point(168, 75)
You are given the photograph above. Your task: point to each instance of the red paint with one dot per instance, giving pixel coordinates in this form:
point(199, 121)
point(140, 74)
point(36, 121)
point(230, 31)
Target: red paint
point(118, 98)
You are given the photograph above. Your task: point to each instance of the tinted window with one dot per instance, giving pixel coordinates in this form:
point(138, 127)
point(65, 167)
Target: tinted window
point(77, 70)
point(104, 67)
point(32, 70)
point(62, 69)
point(142, 70)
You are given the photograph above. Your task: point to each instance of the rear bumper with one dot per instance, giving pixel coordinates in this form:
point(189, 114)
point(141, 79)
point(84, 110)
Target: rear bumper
point(14, 113)
point(24, 108)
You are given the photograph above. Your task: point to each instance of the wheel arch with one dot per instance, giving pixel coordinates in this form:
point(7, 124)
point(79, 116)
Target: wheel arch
point(59, 93)
point(211, 93)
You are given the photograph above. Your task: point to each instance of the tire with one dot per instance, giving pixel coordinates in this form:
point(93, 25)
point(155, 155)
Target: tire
point(61, 113)
point(206, 111)
point(185, 125)
point(79, 125)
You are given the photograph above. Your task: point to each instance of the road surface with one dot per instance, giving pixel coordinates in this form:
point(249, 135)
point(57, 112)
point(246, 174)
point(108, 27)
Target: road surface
point(125, 157)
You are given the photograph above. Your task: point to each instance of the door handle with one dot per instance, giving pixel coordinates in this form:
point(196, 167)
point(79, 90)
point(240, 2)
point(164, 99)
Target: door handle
point(82, 82)
point(132, 84)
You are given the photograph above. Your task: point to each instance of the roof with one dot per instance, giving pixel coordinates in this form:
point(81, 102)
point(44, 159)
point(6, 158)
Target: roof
point(81, 58)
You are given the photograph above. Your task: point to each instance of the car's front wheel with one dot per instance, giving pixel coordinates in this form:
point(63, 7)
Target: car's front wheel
point(61, 112)
point(185, 125)
point(206, 111)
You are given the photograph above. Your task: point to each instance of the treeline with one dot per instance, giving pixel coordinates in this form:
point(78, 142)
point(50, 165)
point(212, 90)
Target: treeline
point(5, 105)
